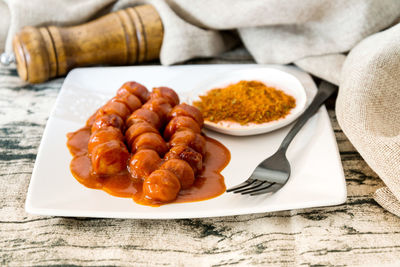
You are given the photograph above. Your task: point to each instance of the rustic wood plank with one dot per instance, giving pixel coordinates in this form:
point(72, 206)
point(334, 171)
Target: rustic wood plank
point(359, 232)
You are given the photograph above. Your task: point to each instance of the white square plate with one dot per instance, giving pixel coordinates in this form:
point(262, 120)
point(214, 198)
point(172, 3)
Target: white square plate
point(317, 176)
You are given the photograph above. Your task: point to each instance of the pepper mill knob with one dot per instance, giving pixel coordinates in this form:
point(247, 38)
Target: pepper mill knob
point(7, 59)
point(125, 37)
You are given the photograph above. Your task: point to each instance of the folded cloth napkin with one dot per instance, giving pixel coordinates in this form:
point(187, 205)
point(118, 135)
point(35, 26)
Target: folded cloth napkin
point(313, 34)
point(368, 109)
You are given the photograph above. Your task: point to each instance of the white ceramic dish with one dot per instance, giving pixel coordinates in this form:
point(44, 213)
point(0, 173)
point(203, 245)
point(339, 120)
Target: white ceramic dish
point(279, 79)
point(317, 176)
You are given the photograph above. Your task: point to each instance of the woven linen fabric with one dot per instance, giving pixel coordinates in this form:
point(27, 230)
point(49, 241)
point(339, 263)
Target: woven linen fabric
point(368, 109)
point(313, 34)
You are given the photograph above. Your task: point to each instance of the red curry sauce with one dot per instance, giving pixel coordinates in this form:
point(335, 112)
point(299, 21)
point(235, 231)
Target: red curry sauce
point(208, 184)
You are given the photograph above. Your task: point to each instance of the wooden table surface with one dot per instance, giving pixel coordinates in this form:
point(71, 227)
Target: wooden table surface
point(357, 233)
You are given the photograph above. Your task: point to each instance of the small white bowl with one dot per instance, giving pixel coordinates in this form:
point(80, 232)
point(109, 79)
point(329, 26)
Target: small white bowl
point(271, 77)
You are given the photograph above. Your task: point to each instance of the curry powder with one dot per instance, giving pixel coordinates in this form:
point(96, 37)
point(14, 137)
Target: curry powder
point(245, 102)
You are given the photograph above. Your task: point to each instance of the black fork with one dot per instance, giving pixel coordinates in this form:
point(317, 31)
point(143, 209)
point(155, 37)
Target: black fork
point(273, 173)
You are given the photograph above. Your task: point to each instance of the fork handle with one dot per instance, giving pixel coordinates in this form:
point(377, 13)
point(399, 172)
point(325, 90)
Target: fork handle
point(325, 91)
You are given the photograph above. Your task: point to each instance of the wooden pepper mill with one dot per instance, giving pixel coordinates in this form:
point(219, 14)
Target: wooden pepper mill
point(128, 36)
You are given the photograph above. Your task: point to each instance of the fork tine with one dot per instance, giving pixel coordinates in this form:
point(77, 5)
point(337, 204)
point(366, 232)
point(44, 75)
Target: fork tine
point(258, 189)
point(242, 185)
point(271, 189)
point(255, 185)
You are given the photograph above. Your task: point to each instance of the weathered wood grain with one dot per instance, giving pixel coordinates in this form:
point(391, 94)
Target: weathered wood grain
point(357, 233)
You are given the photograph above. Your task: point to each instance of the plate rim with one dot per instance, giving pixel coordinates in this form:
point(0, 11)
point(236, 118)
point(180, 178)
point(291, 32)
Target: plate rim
point(254, 129)
point(29, 208)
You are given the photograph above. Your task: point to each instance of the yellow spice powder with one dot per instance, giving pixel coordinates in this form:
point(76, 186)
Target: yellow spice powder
point(245, 102)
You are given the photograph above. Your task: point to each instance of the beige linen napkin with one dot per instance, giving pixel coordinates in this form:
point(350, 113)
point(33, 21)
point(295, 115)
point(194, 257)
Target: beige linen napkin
point(368, 109)
point(313, 34)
